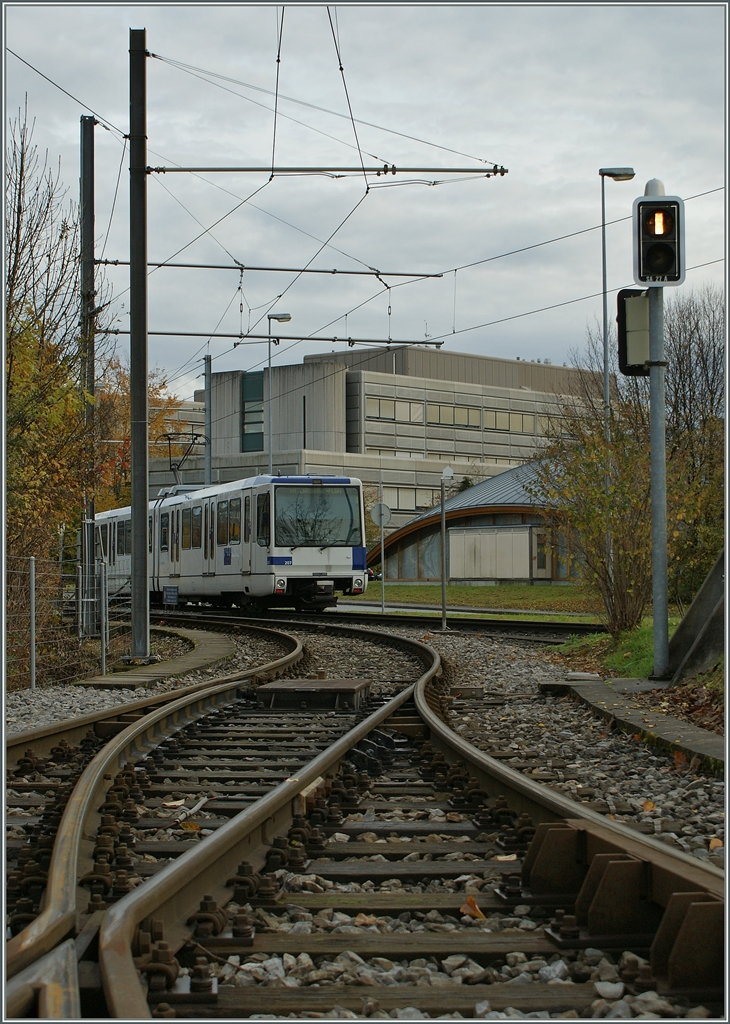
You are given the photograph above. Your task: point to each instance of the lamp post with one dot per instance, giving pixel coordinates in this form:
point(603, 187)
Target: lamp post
point(446, 478)
point(618, 174)
point(281, 318)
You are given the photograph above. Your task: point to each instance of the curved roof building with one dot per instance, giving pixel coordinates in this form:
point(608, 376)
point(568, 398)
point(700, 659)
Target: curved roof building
point(495, 532)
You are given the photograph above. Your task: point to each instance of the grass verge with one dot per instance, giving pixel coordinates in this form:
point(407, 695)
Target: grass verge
point(553, 600)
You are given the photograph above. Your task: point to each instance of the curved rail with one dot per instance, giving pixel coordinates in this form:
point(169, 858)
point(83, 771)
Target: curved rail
point(73, 730)
point(58, 916)
point(544, 804)
point(179, 887)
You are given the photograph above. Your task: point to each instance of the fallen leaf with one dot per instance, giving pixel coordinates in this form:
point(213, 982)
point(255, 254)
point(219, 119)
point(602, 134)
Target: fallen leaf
point(649, 805)
point(507, 856)
point(679, 758)
point(716, 843)
point(471, 908)
point(172, 803)
point(190, 826)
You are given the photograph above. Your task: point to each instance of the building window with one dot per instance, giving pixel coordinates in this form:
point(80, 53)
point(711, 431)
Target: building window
point(380, 408)
point(465, 416)
point(409, 499)
point(409, 412)
point(252, 412)
point(440, 414)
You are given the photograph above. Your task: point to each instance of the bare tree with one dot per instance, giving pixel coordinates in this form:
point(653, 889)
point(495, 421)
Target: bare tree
point(595, 482)
point(47, 441)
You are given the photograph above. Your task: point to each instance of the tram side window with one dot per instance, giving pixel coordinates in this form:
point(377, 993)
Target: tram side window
point(263, 520)
point(186, 528)
point(247, 519)
point(197, 526)
point(165, 531)
point(128, 537)
point(149, 534)
point(120, 537)
point(222, 523)
point(234, 521)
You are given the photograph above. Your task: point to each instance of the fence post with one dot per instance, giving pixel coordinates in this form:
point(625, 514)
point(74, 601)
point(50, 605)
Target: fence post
point(32, 622)
point(103, 615)
point(79, 606)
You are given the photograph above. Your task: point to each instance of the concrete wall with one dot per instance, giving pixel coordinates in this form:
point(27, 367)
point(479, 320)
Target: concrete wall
point(225, 409)
point(312, 396)
point(439, 364)
point(320, 389)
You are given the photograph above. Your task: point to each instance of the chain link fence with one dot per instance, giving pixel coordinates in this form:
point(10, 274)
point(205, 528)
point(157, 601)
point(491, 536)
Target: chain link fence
point(44, 624)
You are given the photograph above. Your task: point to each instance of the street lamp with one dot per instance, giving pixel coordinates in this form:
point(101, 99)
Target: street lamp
point(618, 174)
point(281, 318)
point(446, 477)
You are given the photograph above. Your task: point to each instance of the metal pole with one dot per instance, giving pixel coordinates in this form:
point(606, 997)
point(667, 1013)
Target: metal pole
point(138, 338)
point(32, 622)
point(104, 614)
point(208, 423)
point(268, 403)
point(657, 368)
point(443, 555)
point(382, 551)
point(606, 390)
point(88, 297)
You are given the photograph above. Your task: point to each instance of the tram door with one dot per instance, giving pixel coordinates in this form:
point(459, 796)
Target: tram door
point(246, 534)
point(209, 538)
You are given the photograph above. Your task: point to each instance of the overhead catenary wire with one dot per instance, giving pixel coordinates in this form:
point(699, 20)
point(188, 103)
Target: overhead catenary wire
point(190, 69)
point(335, 37)
point(238, 267)
point(276, 98)
point(208, 231)
point(114, 201)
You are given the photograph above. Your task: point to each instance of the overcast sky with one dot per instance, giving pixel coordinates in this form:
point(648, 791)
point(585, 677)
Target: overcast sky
point(550, 92)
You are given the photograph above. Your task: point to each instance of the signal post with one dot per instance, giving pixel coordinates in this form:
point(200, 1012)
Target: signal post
point(658, 230)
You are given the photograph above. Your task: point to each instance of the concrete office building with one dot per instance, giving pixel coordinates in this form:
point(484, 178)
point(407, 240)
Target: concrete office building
point(394, 416)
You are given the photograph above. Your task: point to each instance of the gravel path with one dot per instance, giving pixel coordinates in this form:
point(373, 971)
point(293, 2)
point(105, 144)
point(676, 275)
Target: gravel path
point(679, 805)
point(32, 709)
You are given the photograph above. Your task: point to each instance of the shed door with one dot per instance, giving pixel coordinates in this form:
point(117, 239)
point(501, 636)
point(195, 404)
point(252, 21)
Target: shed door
point(541, 560)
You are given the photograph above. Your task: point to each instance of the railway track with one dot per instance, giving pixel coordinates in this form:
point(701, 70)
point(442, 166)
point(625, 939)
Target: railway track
point(535, 630)
point(209, 846)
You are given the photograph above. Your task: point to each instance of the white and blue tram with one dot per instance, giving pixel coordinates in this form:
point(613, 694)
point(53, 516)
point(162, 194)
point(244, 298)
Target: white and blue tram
point(268, 541)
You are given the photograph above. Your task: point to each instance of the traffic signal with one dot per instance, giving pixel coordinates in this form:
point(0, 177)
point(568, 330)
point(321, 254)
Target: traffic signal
point(633, 332)
point(658, 241)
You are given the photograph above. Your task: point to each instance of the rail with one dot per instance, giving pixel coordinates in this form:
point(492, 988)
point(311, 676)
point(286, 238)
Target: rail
point(58, 917)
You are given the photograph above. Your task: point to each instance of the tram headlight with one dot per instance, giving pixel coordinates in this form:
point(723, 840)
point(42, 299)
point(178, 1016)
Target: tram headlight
point(357, 585)
point(280, 586)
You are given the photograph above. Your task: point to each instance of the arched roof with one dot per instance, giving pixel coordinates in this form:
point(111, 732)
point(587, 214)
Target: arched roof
point(505, 492)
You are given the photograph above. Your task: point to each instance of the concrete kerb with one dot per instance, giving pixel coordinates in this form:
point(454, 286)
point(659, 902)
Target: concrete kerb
point(611, 699)
point(208, 649)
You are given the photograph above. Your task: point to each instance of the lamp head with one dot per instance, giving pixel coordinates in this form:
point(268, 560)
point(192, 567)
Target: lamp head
point(281, 318)
point(617, 173)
